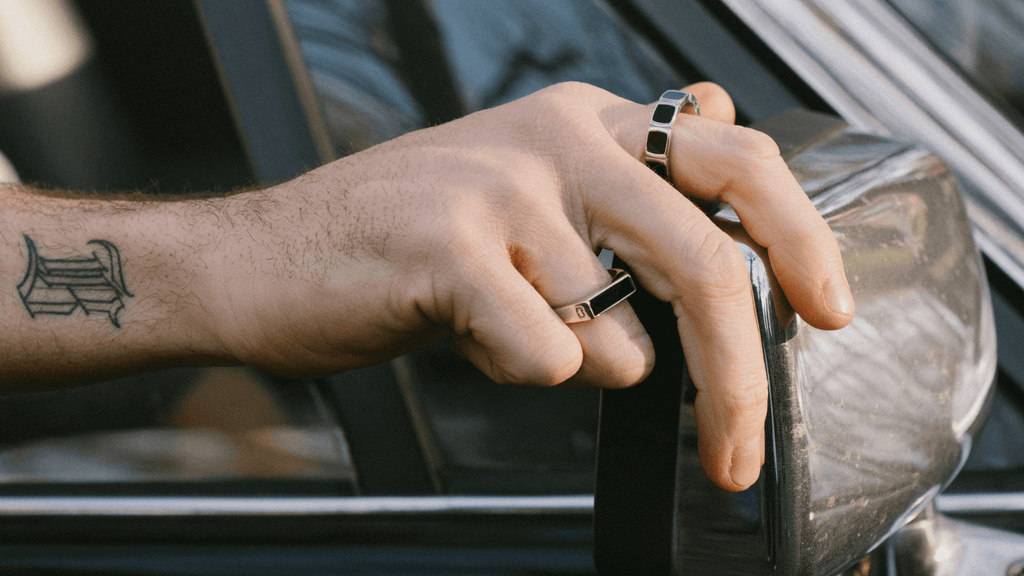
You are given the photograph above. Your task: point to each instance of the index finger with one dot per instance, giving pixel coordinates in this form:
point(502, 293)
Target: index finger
point(743, 168)
point(715, 161)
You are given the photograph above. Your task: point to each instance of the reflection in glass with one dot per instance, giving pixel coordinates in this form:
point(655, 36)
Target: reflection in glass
point(384, 67)
point(179, 425)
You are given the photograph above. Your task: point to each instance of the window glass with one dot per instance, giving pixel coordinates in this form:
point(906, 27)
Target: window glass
point(172, 427)
point(385, 67)
point(983, 38)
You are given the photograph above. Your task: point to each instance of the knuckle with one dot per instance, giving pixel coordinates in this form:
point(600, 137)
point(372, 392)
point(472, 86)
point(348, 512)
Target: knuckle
point(747, 400)
point(715, 99)
point(568, 104)
point(625, 375)
point(754, 144)
point(539, 361)
point(562, 129)
point(541, 373)
point(571, 89)
point(719, 267)
point(557, 363)
point(557, 99)
point(541, 120)
point(753, 161)
point(631, 362)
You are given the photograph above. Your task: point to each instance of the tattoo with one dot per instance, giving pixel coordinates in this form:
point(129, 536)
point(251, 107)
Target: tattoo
point(59, 286)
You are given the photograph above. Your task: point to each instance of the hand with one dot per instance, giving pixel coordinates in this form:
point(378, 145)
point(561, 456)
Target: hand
point(476, 228)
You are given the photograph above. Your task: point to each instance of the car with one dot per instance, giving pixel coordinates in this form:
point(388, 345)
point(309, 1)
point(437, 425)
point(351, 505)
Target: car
point(420, 465)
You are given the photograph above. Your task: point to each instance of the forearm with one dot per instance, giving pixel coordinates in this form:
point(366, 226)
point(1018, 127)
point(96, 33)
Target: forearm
point(90, 290)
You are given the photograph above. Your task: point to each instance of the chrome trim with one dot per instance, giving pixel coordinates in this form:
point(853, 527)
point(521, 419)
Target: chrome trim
point(877, 72)
point(980, 503)
point(294, 506)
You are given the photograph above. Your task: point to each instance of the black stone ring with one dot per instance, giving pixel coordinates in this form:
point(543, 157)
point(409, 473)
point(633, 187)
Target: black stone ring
point(659, 134)
point(599, 302)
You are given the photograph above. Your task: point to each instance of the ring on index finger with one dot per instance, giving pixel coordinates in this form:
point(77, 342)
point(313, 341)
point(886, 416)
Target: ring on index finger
point(659, 140)
point(599, 302)
point(659, 133)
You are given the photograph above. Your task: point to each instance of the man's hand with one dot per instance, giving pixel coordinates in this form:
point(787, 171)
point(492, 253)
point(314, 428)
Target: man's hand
point(478, 227)
point(472, 229)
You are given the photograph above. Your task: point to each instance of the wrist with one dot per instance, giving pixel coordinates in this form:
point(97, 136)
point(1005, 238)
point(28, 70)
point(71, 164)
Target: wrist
point(180, 268)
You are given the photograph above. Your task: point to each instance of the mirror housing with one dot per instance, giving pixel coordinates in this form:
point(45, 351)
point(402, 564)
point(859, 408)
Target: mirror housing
point(866, 424)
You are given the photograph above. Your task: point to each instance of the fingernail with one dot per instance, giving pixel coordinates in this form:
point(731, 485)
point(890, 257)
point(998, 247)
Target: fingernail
point(837, 295)
point(746, 463)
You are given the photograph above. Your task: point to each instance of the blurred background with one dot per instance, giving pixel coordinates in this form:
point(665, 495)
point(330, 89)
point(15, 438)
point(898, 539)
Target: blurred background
point(113, 96)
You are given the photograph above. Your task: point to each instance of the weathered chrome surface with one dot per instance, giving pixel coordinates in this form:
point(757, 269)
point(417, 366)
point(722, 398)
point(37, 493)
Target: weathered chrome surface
point(870, 422)
point(935, 545)
point(878, 73)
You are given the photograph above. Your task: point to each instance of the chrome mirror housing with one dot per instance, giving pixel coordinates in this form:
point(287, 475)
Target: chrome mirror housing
point(866, 424)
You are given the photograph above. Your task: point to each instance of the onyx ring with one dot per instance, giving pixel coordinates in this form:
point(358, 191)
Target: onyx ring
point(599, 302)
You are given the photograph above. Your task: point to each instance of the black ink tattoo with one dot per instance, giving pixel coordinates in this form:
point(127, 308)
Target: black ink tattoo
point(59, 286)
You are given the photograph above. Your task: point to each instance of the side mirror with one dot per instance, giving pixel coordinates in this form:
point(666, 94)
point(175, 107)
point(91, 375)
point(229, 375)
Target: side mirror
point(866, 424)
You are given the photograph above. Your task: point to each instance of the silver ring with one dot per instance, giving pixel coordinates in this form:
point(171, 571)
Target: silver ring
point(659, 140)
point(599, 302)
point(659, 133)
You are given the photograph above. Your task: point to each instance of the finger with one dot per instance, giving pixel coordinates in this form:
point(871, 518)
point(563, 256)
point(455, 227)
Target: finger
point(743, 168)
point(712, 161)
point(681, 257)
point(720, 336)
point(617, 351)
point(508, 330)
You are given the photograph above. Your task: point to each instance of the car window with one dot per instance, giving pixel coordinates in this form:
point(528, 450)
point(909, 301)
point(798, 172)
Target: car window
point(382, 68)
point(172, 431)
point(982, 37)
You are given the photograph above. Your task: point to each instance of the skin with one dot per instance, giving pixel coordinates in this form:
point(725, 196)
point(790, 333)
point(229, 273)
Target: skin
point(474, 230)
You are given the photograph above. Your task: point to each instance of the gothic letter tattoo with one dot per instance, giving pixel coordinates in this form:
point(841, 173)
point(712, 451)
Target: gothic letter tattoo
point(60, 285)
